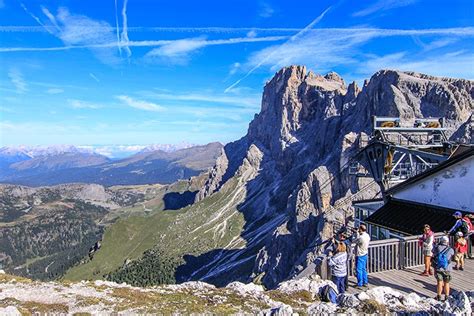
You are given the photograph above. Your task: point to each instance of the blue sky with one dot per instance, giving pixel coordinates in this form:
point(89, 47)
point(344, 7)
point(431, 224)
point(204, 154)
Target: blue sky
point(108, 72)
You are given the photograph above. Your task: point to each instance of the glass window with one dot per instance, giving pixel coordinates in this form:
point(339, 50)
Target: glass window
point(384, 233)
point(365, 214)
point(374, 232)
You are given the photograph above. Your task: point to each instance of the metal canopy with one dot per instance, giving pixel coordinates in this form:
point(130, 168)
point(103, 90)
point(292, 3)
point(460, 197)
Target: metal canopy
point(394, 153)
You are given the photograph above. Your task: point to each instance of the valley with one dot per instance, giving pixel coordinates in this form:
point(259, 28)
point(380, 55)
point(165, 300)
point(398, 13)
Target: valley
point(45, 231)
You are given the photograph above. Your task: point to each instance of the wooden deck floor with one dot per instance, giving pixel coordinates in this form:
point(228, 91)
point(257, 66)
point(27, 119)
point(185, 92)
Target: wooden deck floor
point(409, 280)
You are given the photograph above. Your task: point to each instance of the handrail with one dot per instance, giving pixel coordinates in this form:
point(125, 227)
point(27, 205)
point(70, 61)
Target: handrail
point(391, 254)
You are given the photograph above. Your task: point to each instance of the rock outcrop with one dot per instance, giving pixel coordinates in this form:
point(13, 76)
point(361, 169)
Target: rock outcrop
point(22, 296)
point(307, 130)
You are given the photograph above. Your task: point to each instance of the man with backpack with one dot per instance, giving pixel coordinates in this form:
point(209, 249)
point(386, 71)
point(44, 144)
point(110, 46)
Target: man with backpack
point(442, 255)
point(460, 226)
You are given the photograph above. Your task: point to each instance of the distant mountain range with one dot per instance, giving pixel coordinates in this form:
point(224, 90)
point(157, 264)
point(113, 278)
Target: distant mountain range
point(37, 166)
point(111, 151)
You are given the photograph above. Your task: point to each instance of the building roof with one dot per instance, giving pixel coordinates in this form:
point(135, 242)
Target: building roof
point(460, 156)
point(378, 200)
point(409, 217)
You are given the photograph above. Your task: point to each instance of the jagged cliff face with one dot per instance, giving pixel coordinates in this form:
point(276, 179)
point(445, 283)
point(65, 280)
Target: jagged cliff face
point(292, 161)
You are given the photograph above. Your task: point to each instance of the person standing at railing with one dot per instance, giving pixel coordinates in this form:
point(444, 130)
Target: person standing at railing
point(426, 242)
point(361, 241)
point(460, 226)
point(338, 264)
point(470, 236)
point(460, 248)
point(442, 257)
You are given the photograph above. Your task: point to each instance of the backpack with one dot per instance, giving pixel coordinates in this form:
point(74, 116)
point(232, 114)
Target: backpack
point(464, 228)
point(469, 223)
point(328, 294)
point(442, 260)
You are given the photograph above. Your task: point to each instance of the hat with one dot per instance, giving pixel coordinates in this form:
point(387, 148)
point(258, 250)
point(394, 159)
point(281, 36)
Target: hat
point(457, 214)
point(459, 234)
point(444, 240)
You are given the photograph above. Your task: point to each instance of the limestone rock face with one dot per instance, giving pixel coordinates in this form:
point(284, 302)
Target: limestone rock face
point(298, 147)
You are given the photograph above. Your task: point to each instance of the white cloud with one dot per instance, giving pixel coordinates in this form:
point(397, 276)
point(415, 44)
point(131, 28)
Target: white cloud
point(81, 30)
point(247, 101)
point(436, 44)
point(266, 10)
point(6, 109)
point(252, 33)
point(269, 54)
point(324, 49)
point(16, 78)
point(79, 104)
point(383, 5)
point(77, 30)
point(50, 16)
point(454, 64)
point(179, 51)
point(37, 128)
point(139, 104)
point(234, 68)
point(54, 91)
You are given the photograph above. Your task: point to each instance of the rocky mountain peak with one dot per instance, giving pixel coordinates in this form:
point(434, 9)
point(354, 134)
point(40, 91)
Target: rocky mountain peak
point(411, 95)
point(333, 76)
point(292, 101)
point(297, 148)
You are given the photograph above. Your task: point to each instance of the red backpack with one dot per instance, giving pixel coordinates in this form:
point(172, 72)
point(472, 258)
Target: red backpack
point(469, 223)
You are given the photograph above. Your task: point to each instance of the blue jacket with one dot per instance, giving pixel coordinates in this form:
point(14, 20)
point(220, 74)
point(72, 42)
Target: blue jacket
point(338, 263)
point(456, 226)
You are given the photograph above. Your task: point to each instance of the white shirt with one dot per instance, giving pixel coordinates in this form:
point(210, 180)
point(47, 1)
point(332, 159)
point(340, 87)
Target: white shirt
point(362, 244)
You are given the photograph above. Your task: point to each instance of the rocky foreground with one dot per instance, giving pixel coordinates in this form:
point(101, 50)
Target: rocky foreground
point(20, 296)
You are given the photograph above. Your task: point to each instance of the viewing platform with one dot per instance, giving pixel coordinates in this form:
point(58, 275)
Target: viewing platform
point(398, 262)
point(410, 280)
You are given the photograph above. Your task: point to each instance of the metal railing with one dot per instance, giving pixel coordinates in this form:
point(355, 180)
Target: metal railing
point(391, 254)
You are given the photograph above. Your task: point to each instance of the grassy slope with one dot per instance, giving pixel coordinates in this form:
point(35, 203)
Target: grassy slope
point(190, 230)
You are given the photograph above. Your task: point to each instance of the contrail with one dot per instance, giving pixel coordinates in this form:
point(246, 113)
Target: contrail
point(117, 28)
point(292, 38)
point(35, 17)
point(51, 17)
point(461, 31)
point(228, 41)
point(94, 77)
point(125, 30)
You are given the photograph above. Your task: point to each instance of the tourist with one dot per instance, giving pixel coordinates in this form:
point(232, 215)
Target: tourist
point(459, 226)
point(470, 237)
point(361, 241)
point(442, 255)
point(338, 264)
point(348, 243)
point(460, 248)
point(426, 242)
